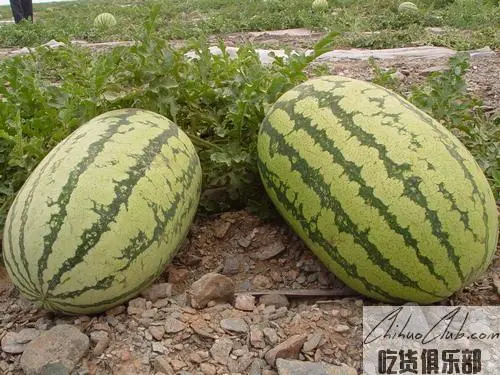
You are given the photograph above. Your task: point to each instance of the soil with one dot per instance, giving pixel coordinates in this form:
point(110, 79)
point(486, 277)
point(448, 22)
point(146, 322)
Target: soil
point(259, 257)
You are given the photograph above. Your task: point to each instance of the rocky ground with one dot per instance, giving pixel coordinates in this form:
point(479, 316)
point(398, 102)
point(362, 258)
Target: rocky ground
point(243, 296)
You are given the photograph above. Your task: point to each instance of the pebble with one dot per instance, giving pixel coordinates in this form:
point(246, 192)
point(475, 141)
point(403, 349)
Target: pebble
point(278, 300)
point(136, 306)
point(96, 336)
point(54, 369)
point(195, 357)
point(208, 369)
point(157, 291)
point(312, 342)
point(157, 332)
point(221, 230)
point(261, 282)
point(117, 310)
point(269, 251)
point(63, 343)
point(10, 344)
point(257, 337)
point(232, 265)
point(256, 366)
point(177, 364)
point(245, 302)
point(101, 346)
point(211, 287)
point(162, 364)
point(173, 325)
point(290, 348)
point(157, 347)
point(341, 328)
point(271, 335)
point(294, 367)
point(234, 325)
point(177, 275)
point(221, 349)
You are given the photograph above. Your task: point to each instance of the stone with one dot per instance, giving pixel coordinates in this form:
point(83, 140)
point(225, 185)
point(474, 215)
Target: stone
point(177, 275)
point(232, 265)
point(269, 251)
point(221, 349)
point(244, 362)
point(312, 342)
point(234, 325)
point(257, 337)
point(63, 343)
point(162, 364)
point(341, 328)
point(117, 310)
point(244, 302)
point(208, 369)
point(268, 372)
point(261, 282)
point(177, 364)
point(173, 325)
point(157, 332)
point(54, 369)
point(211, 287)
point(157, 347)
point(96, 336)
point(271, 335)
point(157, 291)
point(101, 346)
point(10, 344)
point(294, 367)
point(221, 230)
point(290, 348)
point(26, 335)
point(256, 367)
point(195, 357)
point(278, 300)
point(136, 306)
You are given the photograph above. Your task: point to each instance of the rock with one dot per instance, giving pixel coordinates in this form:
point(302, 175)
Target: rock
point(54, 369)
point(398, 75)
point(162, 364)
point(234, 325)
point(341, 328)
point(257, 337)
point(177, 275)
point(244, 362)
point(312, 342)
point(245, 302)
point(289, 348)
point(96, 336)
point(26, 335)
point(221, 230)
point(195, 357)
point(177, 364)
point(278, 300)
point(136, 306)
point(261, 282)
point(221, 349)
point(157, 347)
point(63, 343)
point(496, 282)
point(433, 69)
point(157, 332)
point(101, 346)
point(271, 335)
point(201, 327)
point(232, 265)
point(157, 291)
point(10, 344)
point(173, 325)
point(269, 251)
point(211, 287)
point(293, 367)
point(268, 372)
point(436, 30)
point(208, 369)
point(256, 366)
point(117, 310)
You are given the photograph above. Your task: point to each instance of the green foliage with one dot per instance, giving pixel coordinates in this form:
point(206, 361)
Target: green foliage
point(194, 18)
point(218, 100)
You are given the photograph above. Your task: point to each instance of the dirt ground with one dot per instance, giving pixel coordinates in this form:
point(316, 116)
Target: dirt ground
point(258, 257)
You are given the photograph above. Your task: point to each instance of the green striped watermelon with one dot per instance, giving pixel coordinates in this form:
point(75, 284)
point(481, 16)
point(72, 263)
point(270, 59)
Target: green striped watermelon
point(386, 197)
point(103, 212)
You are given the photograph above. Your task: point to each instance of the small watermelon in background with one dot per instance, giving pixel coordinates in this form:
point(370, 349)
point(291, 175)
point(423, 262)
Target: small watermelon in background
point(384, 195)
point(407, 8)
point(104, 21)
point(102, 214)
point(320, 4)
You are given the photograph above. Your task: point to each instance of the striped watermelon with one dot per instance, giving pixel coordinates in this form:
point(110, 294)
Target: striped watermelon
point(103, 212)
point(386, 197)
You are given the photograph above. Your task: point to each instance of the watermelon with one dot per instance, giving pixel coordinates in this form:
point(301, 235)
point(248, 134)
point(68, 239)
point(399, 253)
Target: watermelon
point(407, 8)
point(104, 20)
point(387, 198)
point(102, 214)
